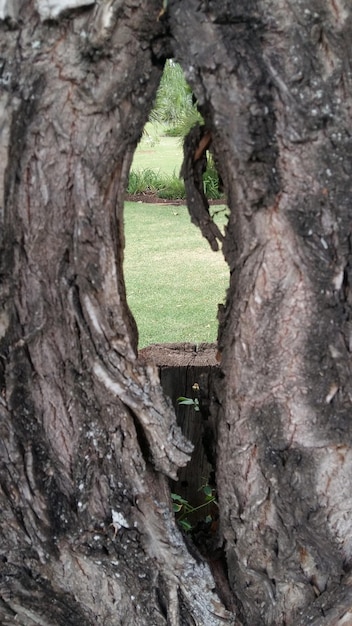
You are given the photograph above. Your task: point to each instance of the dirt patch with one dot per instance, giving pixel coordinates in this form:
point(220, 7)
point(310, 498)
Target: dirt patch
point(180, 354)
point(152, 198)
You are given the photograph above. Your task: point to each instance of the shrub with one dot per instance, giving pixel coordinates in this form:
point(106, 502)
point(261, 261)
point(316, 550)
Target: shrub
point(141, 181)
point(170, 187)
point(211, 182)
point(174, 189)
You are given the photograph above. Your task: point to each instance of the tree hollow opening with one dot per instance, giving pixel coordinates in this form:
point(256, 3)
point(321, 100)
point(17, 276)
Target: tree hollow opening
point(189, 374)
point(174, 284)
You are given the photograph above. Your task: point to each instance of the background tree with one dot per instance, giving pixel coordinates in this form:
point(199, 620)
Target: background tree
point(88, 441)
point(174, 104)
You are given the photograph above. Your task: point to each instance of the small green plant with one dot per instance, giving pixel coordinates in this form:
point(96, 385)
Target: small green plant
point(190, 402)
point(184, 508)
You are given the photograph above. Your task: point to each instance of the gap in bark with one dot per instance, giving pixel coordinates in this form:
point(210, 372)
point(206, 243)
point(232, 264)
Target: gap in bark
point(191, 370)
point(186, 291)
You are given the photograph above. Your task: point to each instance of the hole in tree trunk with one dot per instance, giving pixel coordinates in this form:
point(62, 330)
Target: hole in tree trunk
point(173, 291)
point(192, 371)
point(173, 280)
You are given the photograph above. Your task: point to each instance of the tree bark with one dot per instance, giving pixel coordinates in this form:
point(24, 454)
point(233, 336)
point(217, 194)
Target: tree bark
point(88, 439)
point(274, 84)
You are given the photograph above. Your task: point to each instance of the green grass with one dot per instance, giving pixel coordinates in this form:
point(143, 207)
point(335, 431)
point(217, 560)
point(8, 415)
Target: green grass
point(174, 281)
point(161, 154)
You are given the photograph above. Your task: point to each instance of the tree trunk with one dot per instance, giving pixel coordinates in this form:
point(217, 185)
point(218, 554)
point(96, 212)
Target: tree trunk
point(88, 439)
point(274, 83)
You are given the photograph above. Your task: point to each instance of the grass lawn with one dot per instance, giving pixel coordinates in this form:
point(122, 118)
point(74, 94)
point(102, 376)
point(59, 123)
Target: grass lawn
point(173, 279)
point(158, 153)
point(157, 163)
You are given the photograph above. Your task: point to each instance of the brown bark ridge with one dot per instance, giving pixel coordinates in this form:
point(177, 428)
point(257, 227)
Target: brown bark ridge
point(88, 439)
point(273, 80)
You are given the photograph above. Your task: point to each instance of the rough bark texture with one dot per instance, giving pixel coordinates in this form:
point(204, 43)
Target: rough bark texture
point(283, 70)
point(88, 439)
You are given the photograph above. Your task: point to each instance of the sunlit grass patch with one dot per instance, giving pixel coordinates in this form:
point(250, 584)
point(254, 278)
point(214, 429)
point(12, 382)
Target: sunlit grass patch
point(174, 281)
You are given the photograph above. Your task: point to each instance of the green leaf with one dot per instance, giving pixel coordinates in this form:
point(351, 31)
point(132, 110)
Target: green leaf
point(184, 400)
point(176, 507)
point(178, 498)
point(185, 525)
point(208, 491)
point(208, 519)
